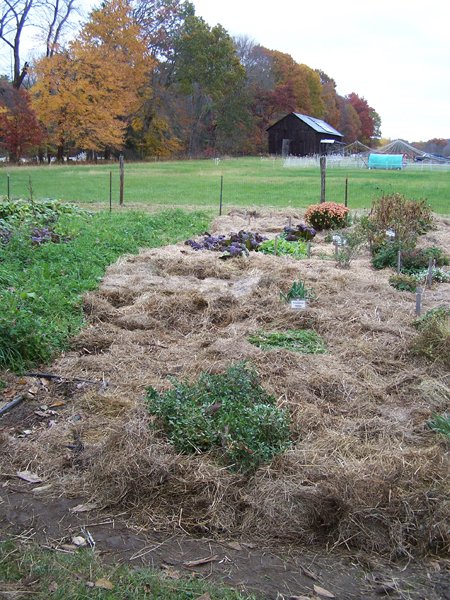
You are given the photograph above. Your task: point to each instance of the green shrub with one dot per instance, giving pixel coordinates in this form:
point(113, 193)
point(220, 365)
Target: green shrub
point(327, 215)
point(403, 282)
point(418, 258)
point(228, 414)
point(305, 341)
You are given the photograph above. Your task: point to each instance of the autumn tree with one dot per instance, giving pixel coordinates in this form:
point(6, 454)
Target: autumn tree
point(370, 120)
point(87, 96)
point(350, 123)
point(330, 99)
point(20, 131)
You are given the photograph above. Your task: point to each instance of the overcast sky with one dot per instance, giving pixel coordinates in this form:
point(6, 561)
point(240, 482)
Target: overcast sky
point(394, 53)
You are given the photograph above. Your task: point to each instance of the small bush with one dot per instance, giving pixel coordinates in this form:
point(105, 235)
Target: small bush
point(406, 218)
point(418, 259)
point(305, 341)
point(229, 414)
point(403, 282)
point(327, 215)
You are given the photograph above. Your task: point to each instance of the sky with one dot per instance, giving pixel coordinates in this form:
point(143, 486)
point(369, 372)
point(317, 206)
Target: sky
point(394, 53)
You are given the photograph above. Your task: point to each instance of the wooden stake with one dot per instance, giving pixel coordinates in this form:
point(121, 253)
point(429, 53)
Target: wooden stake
point(122, 176)
point(323, 169)
point(430, 272)
point(399, 261)
point(419, 291)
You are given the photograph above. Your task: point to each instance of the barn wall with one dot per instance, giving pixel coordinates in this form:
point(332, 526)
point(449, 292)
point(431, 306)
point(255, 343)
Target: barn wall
point(303, 139)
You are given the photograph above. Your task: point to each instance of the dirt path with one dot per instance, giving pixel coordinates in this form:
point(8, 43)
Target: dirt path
point(250, 567)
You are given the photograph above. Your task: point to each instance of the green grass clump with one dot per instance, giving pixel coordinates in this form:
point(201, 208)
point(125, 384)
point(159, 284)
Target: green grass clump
point(305, 341)
point(228, 414)
point(433, 339)
point(41, 285)
point(32, 572)
point(440, 424)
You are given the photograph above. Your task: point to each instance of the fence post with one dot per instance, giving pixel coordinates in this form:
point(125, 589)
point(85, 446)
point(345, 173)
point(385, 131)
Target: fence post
point(399, 262)
point(122, 176)
point(8, 187)
point(346, 192)
point(110, 191)
point(221, 196)
point(430, 272)
point(323, 168)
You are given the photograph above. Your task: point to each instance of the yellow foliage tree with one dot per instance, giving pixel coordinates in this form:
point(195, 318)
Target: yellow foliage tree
point(87, 97)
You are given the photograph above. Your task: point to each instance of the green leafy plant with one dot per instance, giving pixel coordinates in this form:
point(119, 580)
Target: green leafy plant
point(327, 215)
point(440, 424)
point(228, 414)
point(305, 341)
point(282, 247)
point(300, 290)
point(403, 282)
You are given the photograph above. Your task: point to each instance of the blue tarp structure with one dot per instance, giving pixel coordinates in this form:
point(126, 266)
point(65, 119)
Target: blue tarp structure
point(385, 161)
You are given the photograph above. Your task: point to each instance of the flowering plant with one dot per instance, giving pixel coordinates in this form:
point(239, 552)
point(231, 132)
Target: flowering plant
point(327, 215)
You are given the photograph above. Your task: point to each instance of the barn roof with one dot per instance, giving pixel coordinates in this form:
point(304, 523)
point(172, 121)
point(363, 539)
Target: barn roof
point(318, 125)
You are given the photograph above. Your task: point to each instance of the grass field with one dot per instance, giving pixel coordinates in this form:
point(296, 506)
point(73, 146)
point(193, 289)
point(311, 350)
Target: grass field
point(248, 182)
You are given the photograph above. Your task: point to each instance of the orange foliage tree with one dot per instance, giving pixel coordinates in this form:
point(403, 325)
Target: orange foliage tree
point(86, 97)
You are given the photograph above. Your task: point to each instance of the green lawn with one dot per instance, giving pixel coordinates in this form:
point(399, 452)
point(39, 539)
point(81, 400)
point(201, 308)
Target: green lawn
point(247, 182)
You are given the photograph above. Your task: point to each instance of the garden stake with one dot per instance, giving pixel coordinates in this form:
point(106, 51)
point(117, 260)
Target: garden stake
point(430, 272)
point(418, 301)
point(308, 249)
point(122, 176)
point(110, 191)
point(221, 195)
point(399, 262)
point(346, 192)
point(8, 187)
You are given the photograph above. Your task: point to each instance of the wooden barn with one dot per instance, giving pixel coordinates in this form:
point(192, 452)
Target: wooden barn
point(301, 135)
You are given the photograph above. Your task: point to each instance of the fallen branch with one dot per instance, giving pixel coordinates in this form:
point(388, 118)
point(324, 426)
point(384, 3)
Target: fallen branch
point(61, 378)
point(14, 402)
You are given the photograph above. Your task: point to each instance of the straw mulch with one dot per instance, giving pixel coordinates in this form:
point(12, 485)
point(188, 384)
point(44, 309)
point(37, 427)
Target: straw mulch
point(364, 471)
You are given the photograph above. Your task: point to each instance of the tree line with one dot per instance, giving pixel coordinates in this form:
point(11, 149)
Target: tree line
point(150, 78)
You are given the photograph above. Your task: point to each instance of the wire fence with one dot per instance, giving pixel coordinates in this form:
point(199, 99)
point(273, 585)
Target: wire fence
point(222, 184)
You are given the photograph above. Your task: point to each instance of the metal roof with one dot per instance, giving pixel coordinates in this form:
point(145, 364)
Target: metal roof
point(317, 124)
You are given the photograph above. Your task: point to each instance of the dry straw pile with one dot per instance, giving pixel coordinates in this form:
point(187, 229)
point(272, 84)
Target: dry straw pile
point(364, 470)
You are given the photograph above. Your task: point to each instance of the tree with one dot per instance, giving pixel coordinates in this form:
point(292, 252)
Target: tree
point(51, 16)
point(330, 100)
point(87, 96)
point(370, 120)
point(206, 71)
point(19, 127)
point(350, 123)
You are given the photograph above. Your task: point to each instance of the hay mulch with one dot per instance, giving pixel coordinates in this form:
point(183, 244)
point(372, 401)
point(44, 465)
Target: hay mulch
point(364, 471)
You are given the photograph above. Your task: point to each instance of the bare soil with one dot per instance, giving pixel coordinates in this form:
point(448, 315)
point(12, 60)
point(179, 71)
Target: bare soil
point(365, 482)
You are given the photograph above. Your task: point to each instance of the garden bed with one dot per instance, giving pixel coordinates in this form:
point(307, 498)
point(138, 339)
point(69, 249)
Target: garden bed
point(364, 470)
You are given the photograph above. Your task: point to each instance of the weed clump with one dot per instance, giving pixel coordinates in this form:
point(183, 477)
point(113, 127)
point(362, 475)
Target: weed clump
point(227, 414)
point(433, 340)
